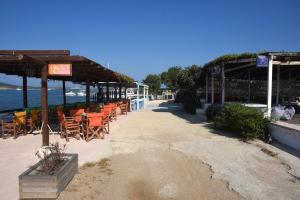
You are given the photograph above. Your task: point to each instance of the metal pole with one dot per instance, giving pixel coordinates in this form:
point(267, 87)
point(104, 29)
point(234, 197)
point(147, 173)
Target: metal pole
point(206, 88)
point(125, 93)
point(212, 90)
point(120, 92)
point(249, 86)
point(107, 91)
point(25, 96)
point(44, 98)
point(64, 92)
point(222, 85)
point(138, 97)
point(115, 93)
point(290, 86)
point(87, 90)
point(278, 84)
point(270, 75)
point(144, 95)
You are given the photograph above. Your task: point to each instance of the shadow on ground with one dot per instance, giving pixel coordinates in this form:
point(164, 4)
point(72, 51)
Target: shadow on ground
point(177, 110)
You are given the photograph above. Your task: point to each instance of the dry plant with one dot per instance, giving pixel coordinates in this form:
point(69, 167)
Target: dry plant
point(52, 158)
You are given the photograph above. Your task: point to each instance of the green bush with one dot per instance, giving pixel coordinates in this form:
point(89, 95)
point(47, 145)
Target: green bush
point(212, 111)
point(249, 123)
point(188, 99)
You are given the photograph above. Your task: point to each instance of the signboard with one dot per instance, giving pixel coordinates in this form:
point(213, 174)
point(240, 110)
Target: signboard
point(262, 61)
point(60, 69)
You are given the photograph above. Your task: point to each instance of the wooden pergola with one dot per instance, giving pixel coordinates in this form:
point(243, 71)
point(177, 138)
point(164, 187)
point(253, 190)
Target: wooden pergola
point(35, 63)
point(280, 66)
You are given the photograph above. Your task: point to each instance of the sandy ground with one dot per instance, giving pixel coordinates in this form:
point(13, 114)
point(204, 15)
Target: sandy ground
point(162, 153)
point(17, 155)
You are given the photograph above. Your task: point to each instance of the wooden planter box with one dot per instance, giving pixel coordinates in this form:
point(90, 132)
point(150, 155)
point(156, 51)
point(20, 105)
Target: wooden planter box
point(37, 186)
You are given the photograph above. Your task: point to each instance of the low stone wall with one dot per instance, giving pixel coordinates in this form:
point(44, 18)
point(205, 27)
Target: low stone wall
point(286, 133)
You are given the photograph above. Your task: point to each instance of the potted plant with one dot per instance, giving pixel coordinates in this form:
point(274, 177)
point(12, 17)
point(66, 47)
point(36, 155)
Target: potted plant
point(47, 178)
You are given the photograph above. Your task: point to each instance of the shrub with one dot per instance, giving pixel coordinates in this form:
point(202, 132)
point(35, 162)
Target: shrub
point(52, 157)
point(188, 99)
point(249, 123)
point(212, 111)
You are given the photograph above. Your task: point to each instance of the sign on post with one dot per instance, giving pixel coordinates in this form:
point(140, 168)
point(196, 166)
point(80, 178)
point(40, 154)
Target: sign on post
point(262, 61)
point(60, 69)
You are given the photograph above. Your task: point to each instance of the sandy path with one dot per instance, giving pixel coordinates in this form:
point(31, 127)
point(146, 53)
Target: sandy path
point(161, 153)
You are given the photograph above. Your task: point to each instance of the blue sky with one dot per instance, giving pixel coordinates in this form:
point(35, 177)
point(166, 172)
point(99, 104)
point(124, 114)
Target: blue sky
point(142, 37)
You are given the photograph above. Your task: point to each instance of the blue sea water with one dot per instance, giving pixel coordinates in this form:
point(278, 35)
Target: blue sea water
point(13, 99)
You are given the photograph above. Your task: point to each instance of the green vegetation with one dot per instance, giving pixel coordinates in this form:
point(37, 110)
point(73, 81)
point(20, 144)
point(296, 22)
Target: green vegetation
point(154, 82)
point(185, 81)
point(212, 111)
point(188, 99)
point(248, 123)
point(169, 77)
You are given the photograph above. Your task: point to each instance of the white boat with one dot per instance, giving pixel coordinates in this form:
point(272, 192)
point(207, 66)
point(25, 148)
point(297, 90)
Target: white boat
point(81, 93)
point(18, 89)
point(70, 93)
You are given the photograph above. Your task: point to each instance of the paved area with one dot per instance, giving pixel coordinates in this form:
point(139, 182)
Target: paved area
point(162, 153)
point(19, 154)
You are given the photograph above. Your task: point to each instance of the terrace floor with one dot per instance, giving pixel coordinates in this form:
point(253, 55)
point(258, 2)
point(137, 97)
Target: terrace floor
point(162, 153)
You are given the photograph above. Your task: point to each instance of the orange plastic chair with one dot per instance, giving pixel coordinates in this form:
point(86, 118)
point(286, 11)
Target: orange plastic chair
point(20, 120)
point(68, 126)
point(77, 114)
point(112, 108)
point(94, 126)
point(34, 121)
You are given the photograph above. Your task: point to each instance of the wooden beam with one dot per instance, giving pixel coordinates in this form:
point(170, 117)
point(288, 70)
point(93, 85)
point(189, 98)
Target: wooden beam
point(44, 98)
point(25, 96)
point(87, 90)
point(64, 92)
point(35, 52)
point(120, 92)
point(107, 91)
point(240, 67)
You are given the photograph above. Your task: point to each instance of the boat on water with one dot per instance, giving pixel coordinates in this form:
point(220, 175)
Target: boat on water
point(18, 89)
point(81, 93)
point(70, 93)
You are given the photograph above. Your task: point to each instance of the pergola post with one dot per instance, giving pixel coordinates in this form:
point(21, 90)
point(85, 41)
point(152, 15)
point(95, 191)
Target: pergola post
point(222, 85)
point(270, 75)
point(25, 93)
point(290, 86)
point(107, 92)
point(147, 95)
point(144, 95)
point(120, 92)
point(278, 85)
point(138, 97)
point(115, 93)
point(64, 92)
point(249, 86)
point(206, 88)
point(44, 98)
point(212, 90)
point(125, 93)
point(87, 90)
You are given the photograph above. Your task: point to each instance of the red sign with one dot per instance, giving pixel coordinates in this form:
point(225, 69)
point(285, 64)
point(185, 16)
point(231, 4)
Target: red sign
point(60, 69)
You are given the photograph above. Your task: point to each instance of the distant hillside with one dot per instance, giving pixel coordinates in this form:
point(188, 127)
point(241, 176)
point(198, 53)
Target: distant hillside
point(6, 86)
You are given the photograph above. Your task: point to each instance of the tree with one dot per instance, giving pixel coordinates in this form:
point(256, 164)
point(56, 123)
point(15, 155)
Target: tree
point(169, 78)
point(154, 82)
point(190, 78)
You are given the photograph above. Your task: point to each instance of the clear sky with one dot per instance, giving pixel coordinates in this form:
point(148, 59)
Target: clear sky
point(141, 37)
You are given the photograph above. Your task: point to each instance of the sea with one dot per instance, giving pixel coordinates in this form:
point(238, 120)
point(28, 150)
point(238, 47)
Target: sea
point(13, 99)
